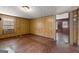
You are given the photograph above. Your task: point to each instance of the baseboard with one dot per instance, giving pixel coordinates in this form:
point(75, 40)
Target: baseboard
point(14, 36)
point(26, 34)
point(41, 36)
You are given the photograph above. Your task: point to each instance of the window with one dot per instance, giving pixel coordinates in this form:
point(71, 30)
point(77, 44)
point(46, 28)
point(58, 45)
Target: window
point(65, 24)
point(8, 26)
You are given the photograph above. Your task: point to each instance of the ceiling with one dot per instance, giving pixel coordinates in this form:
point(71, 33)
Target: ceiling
point(35, 11)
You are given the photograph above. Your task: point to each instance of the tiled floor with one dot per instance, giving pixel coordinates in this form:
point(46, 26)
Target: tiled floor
point(62, 39)
point(35, 44)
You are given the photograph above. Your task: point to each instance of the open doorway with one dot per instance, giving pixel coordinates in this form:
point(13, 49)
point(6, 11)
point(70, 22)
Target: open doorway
point(62, 29)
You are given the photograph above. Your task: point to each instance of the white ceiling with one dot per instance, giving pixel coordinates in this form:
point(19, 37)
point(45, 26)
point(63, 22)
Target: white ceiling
point(35, 11)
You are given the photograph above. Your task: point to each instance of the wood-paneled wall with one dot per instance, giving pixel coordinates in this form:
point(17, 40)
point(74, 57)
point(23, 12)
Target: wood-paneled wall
point(74, 24)
point(78, 27)
point(44, 26)
point(71, 28)
point(21, 26)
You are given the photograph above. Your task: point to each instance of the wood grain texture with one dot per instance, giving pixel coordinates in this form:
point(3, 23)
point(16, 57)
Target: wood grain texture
point(21, 26)
point(74, 27)
point(44, 26)
point(34, 44)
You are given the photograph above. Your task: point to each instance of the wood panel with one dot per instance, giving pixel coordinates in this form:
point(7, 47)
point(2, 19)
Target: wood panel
point(74, 27)
point(44, 26)
point(78, 27)
point(0, 27)
point(21, 26)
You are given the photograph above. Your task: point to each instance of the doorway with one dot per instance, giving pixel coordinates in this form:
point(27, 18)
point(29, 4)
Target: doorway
point(62, 29)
